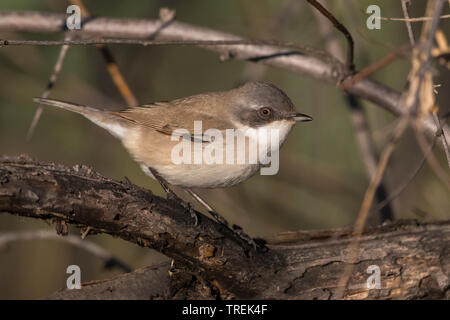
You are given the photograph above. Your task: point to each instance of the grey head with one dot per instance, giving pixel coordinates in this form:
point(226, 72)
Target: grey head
point(258, 103)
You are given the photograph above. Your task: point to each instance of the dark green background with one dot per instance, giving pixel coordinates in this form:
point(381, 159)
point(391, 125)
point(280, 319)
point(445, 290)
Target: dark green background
point(321, 180)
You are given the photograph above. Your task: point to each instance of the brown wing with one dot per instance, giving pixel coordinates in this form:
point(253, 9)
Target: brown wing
point(165, 117)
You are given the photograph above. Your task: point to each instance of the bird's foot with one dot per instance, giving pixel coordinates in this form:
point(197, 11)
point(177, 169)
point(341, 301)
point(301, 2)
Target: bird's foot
point(172, 196)
point(219, 218)
point(190, 209)
point(237, 230)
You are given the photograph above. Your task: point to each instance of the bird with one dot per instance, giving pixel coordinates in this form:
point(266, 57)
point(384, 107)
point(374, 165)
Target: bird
point(151, 133)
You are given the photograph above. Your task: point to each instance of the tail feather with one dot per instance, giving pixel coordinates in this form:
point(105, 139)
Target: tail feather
point(114, 124)
point(74, 107)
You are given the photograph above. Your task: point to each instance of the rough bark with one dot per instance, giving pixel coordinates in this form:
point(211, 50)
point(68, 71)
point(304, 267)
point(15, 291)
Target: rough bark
point(209, 262)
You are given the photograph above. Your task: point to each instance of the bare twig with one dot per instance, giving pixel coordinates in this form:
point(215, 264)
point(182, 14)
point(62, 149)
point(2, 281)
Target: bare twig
point(89, 246)
point(50, 85)
point(408, 22)
point(367, 202)
point(309, 65)
point(284, 51)
point(419, 19)
point(377, 65)
point(112, 67)
point(442, 44)
point(395, 193)
point(364, 138)
point(431, 159)
point(409, 101)
point(102, 41)
point(349, 63)
point(369, 154)
point(441, 133)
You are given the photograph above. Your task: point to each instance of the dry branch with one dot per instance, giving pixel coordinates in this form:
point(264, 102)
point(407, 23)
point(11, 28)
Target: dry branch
point(35, 235)
point(414, 258)
point(142, 29)
point(409, 100)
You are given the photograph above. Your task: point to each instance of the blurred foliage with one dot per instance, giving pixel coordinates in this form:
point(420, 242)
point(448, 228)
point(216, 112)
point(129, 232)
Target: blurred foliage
point(321, 180)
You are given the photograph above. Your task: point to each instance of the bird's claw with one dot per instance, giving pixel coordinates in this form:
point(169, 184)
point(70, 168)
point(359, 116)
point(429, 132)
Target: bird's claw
point(219, 218)
point(245, 237)
point(190, 208)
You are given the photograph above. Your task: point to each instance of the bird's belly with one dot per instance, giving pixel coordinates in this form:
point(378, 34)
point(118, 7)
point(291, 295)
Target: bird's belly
point(154, 150)
point(207, 175)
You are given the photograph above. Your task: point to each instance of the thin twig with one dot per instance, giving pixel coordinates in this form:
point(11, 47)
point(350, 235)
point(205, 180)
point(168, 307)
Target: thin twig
point(89, 246)
point(367, 202)
point(377, 65)
point(143, 42)
point(350, 45)
point(419, 19)
point(394, 194)
point(286, 46)
point(359, 120)
point(408, 22)
point(440, 39)
point(431, 159)
point(369, 153)
point(409, 100)
point(51, 83)
point(277, 56)
point(112, 67)
point(441, 132)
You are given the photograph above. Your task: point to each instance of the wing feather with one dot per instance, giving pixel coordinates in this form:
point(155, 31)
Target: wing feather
point(166, 117)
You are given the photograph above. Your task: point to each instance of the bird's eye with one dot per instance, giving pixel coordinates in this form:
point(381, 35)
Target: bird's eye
point(265, 112)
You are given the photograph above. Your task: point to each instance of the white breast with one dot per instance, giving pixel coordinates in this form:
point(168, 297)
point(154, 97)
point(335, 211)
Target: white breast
point(218, 175)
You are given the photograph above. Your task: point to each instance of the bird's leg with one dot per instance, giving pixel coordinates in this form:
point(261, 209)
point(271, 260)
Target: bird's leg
point(236, 229)
point(211, 211)
point(172, 195)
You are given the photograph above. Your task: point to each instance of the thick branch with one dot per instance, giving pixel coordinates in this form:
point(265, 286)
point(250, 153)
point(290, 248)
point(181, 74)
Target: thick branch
point(414, 259)
point(414, 262)
point(143, 29)
point(82, 197)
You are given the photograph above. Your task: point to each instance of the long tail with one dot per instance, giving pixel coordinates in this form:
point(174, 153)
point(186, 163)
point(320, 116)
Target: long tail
point(114, 124)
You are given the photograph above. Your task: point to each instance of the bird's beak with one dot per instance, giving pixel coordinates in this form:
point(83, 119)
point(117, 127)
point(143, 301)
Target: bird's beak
point(299, 117)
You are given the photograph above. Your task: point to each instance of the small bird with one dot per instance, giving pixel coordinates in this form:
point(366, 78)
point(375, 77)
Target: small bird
point(147, 132)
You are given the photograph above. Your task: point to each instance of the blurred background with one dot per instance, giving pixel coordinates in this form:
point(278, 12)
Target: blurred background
point(322, 177)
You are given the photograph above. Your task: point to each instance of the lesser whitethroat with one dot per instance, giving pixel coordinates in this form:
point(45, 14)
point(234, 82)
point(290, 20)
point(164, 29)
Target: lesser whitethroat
point(157, 135)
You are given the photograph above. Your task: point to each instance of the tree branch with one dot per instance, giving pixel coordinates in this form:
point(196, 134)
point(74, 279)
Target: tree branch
point(35, 235)
point(349, 63)
point(208, 261)
point(86, 199)
point(268, 54)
